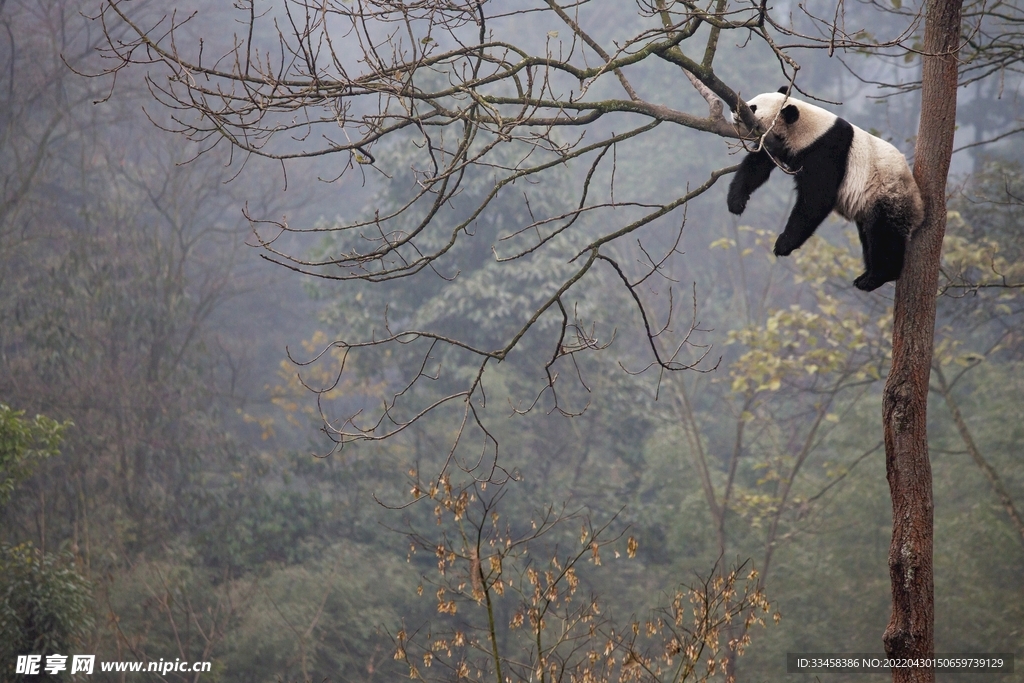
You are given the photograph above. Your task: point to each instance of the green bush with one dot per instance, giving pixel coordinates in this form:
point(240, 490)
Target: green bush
point(44, 604)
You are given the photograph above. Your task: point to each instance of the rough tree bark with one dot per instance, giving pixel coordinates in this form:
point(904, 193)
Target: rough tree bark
point(910, 632)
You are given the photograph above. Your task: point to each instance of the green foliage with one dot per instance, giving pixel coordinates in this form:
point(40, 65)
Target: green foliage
point(323, 619)
point(249, 526)
point(990, 207)
point(23, 444)
point(45, 604)
point(485, 298)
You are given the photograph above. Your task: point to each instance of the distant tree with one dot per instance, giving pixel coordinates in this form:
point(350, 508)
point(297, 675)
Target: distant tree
point(23, 445)
point(45, 606)
point(45, 603)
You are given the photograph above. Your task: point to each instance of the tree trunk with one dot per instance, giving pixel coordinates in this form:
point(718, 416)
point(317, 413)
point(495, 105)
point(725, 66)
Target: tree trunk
point(910, 632)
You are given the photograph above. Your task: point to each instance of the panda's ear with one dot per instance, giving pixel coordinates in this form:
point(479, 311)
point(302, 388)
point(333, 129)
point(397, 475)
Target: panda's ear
point(784, 89)
point(790, 114)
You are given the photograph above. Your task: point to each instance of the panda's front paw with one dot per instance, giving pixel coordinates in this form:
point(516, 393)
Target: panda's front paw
point(785, 245)
point(737, 202)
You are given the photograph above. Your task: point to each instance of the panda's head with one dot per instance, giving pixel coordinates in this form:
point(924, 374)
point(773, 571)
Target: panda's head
point(794, 123)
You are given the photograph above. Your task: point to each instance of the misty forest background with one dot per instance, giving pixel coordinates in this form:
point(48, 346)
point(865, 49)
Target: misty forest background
point(172, 501)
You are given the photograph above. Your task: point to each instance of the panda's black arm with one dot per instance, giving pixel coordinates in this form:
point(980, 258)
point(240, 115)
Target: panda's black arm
point(817, 190)
point(752, 174)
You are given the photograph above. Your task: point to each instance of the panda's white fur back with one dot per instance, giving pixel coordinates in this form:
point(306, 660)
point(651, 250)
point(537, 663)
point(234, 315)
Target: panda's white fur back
point(874, 167)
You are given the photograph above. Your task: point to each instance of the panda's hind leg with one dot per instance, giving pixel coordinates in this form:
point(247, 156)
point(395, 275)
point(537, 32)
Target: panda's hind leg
point(884, 249)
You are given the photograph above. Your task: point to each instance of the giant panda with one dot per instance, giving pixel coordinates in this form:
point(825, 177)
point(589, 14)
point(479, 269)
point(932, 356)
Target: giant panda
point(836, 166)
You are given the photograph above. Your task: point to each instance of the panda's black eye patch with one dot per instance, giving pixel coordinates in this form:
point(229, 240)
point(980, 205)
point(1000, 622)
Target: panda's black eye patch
point(753, 108)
